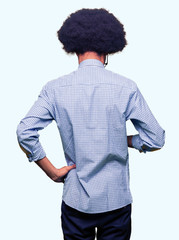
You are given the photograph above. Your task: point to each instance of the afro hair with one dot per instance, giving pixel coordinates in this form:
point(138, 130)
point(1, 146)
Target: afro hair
point(94, 30)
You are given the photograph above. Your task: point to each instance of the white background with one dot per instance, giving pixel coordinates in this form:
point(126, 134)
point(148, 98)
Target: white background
point(31, 55)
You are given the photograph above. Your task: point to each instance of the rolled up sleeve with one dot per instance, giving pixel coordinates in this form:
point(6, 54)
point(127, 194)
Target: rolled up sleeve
point(150, 135)
point(38, 117)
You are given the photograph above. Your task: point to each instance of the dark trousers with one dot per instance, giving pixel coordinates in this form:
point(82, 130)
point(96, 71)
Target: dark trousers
point(112, 225)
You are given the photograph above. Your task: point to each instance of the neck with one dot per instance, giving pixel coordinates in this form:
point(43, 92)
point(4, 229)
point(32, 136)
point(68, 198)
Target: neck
point(90, 55)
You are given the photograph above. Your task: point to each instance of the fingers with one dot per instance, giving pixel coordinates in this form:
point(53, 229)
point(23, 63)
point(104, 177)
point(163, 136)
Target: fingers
point(68, 168)
point(71, 167)
point(62, 172)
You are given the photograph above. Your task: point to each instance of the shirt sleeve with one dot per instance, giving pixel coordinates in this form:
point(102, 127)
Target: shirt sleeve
point(150, 135)
point(38, 117)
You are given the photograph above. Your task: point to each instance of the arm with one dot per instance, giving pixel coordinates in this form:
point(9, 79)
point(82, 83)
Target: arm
point(55, 174)
point(151, 136)
point(40, 115)
point(129, 143)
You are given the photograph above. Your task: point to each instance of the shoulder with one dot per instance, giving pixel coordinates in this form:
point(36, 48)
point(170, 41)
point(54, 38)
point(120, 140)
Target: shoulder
point(61, 81)
point(121, 80)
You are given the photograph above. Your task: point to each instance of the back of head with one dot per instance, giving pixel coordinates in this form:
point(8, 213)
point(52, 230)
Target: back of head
point(94, 30)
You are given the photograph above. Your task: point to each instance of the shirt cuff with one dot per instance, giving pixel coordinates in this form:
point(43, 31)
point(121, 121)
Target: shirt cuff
point(137, 143)
point(37, 155)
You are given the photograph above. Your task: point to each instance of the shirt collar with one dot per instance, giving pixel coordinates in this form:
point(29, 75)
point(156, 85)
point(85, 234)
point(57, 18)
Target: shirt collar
point(91, 62)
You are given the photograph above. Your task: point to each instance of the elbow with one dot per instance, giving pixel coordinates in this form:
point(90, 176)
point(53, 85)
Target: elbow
point(28, 140)
point(24, 133)
point(18, 133)
point(23, 140)
point(159, 141)
point(155, 143)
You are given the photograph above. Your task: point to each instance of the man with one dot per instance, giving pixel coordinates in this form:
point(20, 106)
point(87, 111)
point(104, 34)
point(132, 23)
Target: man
point(91, 106)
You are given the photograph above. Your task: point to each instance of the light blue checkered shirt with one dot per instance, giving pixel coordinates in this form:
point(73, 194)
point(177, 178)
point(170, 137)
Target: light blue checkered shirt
point(91, 106)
